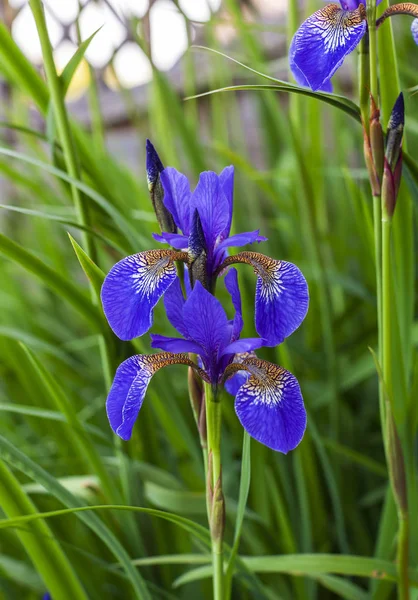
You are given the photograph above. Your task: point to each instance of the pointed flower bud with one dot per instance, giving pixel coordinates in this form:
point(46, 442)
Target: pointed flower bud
point(393, 156)
point(197, 253)
point(154, 167)
point(395, 132)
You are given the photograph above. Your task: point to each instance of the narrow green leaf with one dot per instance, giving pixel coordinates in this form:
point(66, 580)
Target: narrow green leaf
point(311, 565)
point(66, 78)
point(174, 559)
point(92, 271)
point(345, 589)
point(244, 489)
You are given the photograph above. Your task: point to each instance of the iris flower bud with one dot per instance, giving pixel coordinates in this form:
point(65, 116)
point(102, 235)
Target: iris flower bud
point(154, 167)
point(197, 253)
point(393, 156)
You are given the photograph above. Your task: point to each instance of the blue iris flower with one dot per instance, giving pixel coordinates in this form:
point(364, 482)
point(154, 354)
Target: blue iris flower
point(322, 42)
point(136, 283)
point(268, 400)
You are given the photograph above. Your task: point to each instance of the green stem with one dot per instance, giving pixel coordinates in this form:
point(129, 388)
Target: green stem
point(214, 483)
point(386, 305)
point(377, 219)
point(39, 541)
point(388, 310)
point(402, 557)
point(371, 27)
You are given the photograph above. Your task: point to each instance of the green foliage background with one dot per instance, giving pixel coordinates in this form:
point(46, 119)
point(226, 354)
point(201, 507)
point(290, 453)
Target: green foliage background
point(320, 522)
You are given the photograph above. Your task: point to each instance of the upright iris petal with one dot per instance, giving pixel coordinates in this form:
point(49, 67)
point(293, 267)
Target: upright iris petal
point(130, 385)
point(133, 287)
point(213, 201)
point(323, 41)
point(270, 406)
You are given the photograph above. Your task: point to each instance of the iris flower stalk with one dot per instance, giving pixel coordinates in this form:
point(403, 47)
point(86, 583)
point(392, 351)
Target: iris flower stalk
point(268, 399)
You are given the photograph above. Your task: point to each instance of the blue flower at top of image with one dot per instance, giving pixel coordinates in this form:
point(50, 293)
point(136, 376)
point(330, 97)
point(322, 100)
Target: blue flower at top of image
point(322, 42)
point(268, 400)
point(135, 284)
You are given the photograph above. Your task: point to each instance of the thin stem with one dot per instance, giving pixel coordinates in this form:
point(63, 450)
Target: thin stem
point(386, 305)
point(377, 218)
point(65, 137)
point(394, 453)
point(214, 483)
point(371, 26)
point(402, 557)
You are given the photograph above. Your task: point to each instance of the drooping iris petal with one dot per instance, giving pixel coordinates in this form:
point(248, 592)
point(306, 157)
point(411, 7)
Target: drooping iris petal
point(172, 344)
point(133, 287)
point(173, 304)
point(231, 284)
point(226, 179)
point(281, 297)
point(177, 196)
point(206, 323)
point(270, 406)
point(323, 41)
point(210, 201)
point(301, 80)
point(130, 385)
point(242, 239)
point(414, 30)
point(174, 239)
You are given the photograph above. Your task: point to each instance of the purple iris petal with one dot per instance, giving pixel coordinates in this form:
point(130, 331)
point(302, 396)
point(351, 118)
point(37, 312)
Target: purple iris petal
point(226, 179)
point(301, 80)
point(177, 197)
point(174, 239)
point(244, 345)
point(130, 385)
point(270, 406)
point(133, 287)
point(242, 239)
point(281, 300)
point(206, 324)
point(231, 284)
point(175, 345)
point(173, 304)
point(127, 394)
point(322, 42)
point(414, 30)
point(212, 206)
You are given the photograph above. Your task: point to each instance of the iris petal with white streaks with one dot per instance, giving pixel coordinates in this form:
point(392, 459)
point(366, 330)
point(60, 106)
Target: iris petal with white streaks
point(133, 287)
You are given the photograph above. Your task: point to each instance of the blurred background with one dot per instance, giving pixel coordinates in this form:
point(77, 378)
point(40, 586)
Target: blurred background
point(300, 178)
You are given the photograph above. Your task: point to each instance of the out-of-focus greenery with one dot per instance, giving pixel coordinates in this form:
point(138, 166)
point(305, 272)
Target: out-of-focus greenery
point(311, 198)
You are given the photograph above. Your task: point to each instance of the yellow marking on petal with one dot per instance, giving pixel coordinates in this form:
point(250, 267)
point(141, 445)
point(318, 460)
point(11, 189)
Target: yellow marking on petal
point(154, 362)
